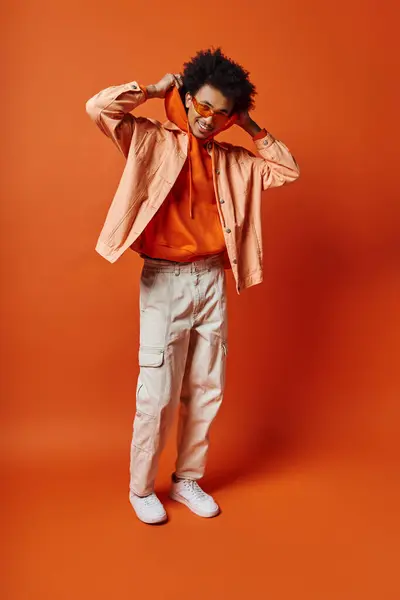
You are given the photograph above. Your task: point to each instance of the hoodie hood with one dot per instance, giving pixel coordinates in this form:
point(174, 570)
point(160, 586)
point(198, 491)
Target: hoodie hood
point(176, 113)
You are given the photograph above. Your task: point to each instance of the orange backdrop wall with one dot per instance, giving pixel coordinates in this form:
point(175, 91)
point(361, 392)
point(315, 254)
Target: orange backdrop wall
point(313, 376)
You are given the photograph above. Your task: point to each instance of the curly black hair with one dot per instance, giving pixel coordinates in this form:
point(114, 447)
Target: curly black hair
point(212, 67)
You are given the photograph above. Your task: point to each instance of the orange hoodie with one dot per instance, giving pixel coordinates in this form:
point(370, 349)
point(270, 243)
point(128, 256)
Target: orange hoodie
point(187, 225)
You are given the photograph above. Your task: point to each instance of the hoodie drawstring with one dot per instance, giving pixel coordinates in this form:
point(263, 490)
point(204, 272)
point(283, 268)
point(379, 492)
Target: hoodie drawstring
point(190, 174)
point(175, 111)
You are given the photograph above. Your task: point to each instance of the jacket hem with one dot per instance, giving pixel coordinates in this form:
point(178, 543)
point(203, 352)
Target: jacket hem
point(106, 252)
point(250, 280)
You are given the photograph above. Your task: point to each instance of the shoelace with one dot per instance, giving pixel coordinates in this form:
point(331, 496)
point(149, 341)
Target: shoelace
point(195, 489)
point(151, 500)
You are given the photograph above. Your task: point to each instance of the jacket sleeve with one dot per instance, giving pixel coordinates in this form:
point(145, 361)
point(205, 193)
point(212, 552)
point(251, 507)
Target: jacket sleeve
point(278, 165)
point(110, 110)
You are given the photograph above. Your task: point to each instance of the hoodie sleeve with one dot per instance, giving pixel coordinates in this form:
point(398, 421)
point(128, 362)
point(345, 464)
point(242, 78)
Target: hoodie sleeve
point(278, 166)
point(110, 110)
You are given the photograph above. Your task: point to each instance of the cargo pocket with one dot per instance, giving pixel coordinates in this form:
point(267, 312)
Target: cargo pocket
point(150, 356)
point(147, 399)
point(224, 345)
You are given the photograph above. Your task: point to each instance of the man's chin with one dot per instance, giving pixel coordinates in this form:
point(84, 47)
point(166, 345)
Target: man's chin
point(200, 136)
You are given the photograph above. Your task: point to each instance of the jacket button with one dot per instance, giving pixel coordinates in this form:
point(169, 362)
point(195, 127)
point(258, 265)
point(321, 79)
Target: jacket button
point(221, 200)
point(209, 145)
point(265, 142)
point(234, 261)
point(228, 230)
point(217, 171)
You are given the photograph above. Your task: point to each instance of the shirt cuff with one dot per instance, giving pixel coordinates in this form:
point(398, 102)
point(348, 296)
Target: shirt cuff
point(260, 135)
point(136, 87)
point(144, 90)
point(265, 142)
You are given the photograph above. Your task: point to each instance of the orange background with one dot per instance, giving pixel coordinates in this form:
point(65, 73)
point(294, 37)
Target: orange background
point(305, 451)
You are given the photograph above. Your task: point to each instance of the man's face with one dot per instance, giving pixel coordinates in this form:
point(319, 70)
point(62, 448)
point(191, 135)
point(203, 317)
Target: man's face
point(203, 126)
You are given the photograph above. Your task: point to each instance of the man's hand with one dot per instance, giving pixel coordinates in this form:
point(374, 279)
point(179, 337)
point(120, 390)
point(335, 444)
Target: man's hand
point(246, 122)
point(168, 81)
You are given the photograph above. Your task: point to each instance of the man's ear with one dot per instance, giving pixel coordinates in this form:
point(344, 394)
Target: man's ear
point(188, 99)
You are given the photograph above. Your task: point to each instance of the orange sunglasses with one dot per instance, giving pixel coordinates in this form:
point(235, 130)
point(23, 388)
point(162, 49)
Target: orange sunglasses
point(205, 111)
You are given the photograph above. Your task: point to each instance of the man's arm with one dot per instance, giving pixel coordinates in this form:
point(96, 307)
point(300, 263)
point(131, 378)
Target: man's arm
point(110, 109)
point(279, 166)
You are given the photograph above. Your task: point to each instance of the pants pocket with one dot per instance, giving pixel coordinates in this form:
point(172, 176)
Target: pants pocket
point(147, 284)
point(149, 356)
point(147, 401)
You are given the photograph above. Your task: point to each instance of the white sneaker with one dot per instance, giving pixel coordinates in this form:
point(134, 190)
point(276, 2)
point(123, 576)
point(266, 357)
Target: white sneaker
point(148, 509)
point(189, 492)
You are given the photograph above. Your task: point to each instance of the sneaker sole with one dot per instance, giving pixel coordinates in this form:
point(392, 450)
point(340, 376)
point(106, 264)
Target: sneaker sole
point(196, 511)
point(155, 521)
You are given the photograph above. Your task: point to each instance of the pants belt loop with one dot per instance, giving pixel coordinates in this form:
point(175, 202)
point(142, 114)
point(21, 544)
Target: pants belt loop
point(177, 269)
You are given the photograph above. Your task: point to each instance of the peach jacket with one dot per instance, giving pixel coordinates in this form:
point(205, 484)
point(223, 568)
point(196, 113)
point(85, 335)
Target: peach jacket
point(155, 154)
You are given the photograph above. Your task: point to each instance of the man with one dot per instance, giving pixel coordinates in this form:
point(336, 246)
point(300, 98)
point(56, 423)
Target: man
point(190, 206)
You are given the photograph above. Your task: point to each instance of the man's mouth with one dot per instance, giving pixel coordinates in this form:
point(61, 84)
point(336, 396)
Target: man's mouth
point(203, 128)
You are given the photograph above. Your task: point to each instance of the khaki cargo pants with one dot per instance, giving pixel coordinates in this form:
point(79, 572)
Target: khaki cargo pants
point(182, 355)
